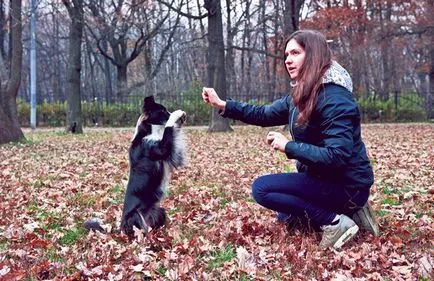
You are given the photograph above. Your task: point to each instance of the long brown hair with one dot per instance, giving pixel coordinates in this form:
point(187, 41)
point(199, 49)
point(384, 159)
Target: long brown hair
point(316, 62)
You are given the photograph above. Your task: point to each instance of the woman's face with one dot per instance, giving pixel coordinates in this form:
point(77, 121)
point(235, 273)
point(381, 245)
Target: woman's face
point(294, 54)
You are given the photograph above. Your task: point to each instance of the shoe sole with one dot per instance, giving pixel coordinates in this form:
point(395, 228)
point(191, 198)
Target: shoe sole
point(365, 217)
point(346, 236)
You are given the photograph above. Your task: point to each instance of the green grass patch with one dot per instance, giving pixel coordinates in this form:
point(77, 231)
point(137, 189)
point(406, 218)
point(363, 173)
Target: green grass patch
point(32, 205)
point(161, 270)
point(34, 155)
point(116, 194)
point(223, 202)
point(288, 168)
point(390, 201)
point(82, 175)
point(224, 196)
point(187, 233)
point(275, 275)
point(245, 277)
point(60, 133)
point(419, 215)
point(388, 190)
point(221, 256)
point(55, 225)
point(69, 270)
point(4, 244)
point(172, 211)
point(116, 200)
point(112, 160)
point(117, 189)
point(85, 200)
point(38, 184)
point(381, 213)
point(182, 188)
point(25, 142)
point(71, 236)
point(51, 254)
point(51, 220)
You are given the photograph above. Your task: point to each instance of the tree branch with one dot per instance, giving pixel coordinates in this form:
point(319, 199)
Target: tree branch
point(182, 13)
point(419, 31)
point(258, 51)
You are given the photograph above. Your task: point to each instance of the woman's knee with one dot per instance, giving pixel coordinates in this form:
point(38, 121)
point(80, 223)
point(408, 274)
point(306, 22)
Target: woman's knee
point(259, 189)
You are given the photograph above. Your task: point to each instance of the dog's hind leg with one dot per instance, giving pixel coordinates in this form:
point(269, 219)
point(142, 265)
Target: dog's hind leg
point(142, 222)
point(156, 217)
point(136, 219)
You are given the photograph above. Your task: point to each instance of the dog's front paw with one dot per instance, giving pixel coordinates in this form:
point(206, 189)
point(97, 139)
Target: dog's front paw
point(182, 118)
point(177, 117)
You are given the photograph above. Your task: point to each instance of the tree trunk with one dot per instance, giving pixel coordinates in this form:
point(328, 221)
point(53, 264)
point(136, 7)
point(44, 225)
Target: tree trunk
point(246, 42)
point(216, 62)
point(291, 15)
point(230, 58)
point(429, 101)
point(267, 87)
point(73, 95)
point(122, 81)
point(276, 45)
point(56, 80)
point(10, 129)
point(107, 74)
point(2, 29)
point(385, 48)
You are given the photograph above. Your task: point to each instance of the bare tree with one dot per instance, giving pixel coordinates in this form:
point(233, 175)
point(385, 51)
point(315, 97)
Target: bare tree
point(10, 75)
point(74, 123)
point(216, 62)
point(291, 21)
point(128, 28)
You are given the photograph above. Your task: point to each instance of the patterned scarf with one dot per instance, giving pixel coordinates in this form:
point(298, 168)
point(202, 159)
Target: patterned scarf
point(338, 75)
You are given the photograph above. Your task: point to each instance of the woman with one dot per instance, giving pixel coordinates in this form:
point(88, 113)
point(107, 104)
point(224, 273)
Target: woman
point(334, 173)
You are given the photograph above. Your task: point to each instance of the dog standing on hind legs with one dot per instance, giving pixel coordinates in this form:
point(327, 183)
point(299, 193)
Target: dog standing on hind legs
point(157, 148)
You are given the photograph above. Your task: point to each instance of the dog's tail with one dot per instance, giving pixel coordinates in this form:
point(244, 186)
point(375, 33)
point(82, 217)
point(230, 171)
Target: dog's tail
point(94, 224)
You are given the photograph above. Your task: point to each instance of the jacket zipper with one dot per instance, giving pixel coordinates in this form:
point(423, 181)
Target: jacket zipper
point(290, 125)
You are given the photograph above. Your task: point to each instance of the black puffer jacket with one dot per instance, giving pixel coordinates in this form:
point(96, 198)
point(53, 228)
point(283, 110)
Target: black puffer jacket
point(330, 146)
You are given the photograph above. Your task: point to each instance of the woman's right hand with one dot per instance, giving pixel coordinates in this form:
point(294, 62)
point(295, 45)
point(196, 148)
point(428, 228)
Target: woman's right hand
point(209, 96)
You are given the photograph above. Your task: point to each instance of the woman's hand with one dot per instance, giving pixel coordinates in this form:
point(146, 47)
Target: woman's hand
point(277, 141)
point(210, 96)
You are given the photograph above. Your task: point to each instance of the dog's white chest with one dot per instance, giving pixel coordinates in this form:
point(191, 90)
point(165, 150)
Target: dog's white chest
point(157, 133)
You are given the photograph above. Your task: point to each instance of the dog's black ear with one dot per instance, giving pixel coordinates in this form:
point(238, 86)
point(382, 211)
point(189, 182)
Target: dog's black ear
point(148, 101)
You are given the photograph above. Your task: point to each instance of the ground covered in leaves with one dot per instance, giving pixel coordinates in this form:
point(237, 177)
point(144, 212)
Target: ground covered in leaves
point(53, 182)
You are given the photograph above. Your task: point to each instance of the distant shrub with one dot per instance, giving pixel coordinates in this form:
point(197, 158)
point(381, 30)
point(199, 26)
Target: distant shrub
point(123, 115)
point(190, 101)
point(376, 110)
point(408, 109)
point(51, 114)
point(23, 111)
point(47, 114)
point(91, 112)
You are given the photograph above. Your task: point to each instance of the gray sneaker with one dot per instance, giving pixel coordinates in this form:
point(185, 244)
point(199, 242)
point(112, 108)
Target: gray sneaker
point(365, 219)
point(336, 235)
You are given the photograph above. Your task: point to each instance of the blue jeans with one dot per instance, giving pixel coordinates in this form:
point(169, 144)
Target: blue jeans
point(316, 201)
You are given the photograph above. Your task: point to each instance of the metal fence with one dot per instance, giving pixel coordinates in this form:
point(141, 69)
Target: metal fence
point(399, 107)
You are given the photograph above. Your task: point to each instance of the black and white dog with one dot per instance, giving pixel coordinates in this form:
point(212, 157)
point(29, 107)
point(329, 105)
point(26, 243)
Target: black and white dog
point(157, 148)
